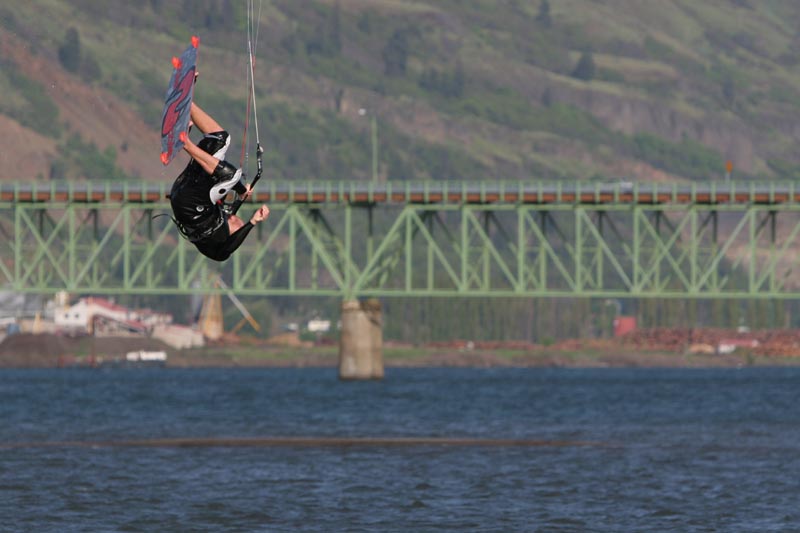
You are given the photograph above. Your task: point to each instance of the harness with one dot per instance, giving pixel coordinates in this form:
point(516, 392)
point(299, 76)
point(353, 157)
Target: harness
point(201, 233)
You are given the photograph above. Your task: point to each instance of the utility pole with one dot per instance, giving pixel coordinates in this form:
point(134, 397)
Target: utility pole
point(374, 149)
point(374, 138)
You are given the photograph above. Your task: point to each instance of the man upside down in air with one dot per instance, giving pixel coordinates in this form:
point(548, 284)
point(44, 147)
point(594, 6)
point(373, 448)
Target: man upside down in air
point(197, 193)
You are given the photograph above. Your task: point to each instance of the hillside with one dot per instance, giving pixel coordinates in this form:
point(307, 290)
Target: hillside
point(568, 89)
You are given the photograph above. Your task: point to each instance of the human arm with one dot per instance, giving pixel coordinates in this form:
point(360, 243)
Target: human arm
point(207, 161)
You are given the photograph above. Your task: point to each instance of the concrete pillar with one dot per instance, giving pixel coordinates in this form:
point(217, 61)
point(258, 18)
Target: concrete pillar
point(361, 340)
point(372, 308)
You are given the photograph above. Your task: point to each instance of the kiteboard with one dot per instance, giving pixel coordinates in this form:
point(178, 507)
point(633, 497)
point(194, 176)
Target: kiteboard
point(178, 102)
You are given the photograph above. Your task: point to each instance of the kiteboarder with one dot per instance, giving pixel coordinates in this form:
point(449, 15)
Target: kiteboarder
point(198, 192)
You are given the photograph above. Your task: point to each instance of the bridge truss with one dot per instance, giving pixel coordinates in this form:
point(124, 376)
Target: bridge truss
point(353, 239)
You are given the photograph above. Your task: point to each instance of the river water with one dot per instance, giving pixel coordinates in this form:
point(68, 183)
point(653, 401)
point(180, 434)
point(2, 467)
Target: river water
point(423, 450)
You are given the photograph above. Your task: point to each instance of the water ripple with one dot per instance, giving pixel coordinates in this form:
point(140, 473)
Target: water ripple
point(424, 450)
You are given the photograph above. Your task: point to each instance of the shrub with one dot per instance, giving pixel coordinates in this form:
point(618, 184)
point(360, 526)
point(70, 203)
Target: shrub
point(85, 160)
point(585, 69)
point(69, 53)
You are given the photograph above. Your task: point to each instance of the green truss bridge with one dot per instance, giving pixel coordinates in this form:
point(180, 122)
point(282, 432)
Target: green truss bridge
point(357, 239)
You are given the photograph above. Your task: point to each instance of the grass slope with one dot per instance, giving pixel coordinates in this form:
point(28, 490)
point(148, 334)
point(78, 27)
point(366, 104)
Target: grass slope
point(476, 90)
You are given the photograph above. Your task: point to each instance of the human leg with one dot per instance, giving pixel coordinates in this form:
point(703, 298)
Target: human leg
point(203, 120)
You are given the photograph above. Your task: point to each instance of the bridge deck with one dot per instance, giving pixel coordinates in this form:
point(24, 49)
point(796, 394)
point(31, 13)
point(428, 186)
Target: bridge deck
point(440, 192)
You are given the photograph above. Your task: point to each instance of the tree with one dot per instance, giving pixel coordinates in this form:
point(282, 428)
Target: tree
point(547, 97)
point(334, 29)
point(90, 68)
point(729, 92)
point(58, 170)
point(429, 79)
point(69, 53)
point(326, 39)
point(337, 98)
point(543, 17)
point(457, 82)
point(449, 85)
point(364, 23)
point(395, 54)
point(585, 69)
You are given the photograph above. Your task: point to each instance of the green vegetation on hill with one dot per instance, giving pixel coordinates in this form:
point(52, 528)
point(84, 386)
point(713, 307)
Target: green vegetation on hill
point(26, 101)
point(603, 81)
point(485, 89)
point(81, 158)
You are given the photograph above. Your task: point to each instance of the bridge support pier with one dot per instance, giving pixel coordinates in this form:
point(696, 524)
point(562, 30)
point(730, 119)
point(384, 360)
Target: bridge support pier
point(361, 340)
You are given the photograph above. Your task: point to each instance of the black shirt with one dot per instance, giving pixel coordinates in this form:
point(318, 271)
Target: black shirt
point(196, 214)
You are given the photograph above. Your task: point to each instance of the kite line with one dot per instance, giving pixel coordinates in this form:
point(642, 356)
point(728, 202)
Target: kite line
point(253, 24)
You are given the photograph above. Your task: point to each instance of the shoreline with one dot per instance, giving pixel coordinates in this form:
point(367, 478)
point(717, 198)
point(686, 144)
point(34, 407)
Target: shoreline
point(426, 358)
point(51, 351)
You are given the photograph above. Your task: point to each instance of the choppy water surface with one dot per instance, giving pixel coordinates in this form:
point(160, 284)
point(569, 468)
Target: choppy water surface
point(555, 450)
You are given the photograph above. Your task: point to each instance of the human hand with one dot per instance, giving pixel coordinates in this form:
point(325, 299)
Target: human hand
point(260, 215)
point(248, 192)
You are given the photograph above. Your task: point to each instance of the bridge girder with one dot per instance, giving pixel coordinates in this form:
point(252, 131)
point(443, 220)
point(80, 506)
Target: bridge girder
point(388, 243)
